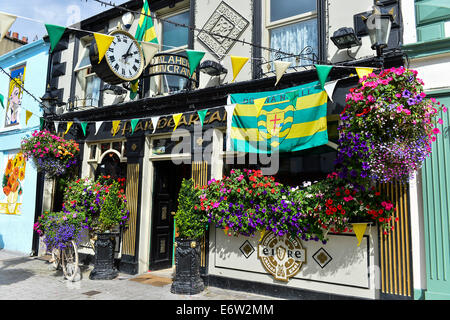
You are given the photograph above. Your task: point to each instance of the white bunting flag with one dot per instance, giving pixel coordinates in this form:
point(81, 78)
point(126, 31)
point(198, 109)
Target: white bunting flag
point(230, 110)
point(155, 120)
point(329, 88)
point(280, 69)
point(56, 126)
point(149, 49)
point(6, 21)
point(98, 124)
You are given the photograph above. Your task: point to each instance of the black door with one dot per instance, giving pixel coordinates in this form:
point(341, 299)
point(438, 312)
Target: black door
point(167, 182)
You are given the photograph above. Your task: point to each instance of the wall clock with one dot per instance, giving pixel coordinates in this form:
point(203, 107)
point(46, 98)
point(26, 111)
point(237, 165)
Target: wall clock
point(123, 61)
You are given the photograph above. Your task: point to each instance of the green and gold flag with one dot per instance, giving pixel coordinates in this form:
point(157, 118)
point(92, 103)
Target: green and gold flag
point(145, 32)
point(282, 124)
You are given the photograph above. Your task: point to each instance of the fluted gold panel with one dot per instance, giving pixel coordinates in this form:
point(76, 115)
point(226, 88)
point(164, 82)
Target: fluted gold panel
point(395, 247)
point(200, 177)
point(129, 235)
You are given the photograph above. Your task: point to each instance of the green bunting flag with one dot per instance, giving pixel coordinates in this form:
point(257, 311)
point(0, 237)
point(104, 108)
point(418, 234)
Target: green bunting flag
point(133, 122)
point(55, 34)
point(1, 100)
point(83, 126)
point(292, 96)
point(41, 123)
point(194, 58)
point(202, 115)
point(322, 73)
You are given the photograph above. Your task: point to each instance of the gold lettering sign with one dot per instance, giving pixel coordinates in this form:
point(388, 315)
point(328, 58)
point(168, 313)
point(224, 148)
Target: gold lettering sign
point(282, 256)
point(171, 64)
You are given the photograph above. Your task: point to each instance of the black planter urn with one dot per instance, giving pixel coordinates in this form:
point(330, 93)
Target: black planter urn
point(187, 263)
point(104, 258)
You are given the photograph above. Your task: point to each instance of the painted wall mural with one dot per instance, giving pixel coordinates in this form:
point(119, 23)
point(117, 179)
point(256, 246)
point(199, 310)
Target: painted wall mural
point(13, 176)
point(15, 92)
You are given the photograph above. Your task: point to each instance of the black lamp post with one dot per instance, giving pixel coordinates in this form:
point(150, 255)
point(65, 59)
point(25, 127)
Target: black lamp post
point(49, 101)
point(379, 28)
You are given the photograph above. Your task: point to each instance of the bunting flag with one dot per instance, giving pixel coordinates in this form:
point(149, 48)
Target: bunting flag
point(322, 73)
point(329, 88)
point(145, 32)
point(362, 72)
point(281, 126)
point(98, 124)
point(41, 123)
point(263, 232)
point(359, 229)
point(56, 126)
point(55, 34)
point(149, 49)
point(176, 119)
point(1, 100)
point(259, 103)
point(115, 127)
point(69, 124)
point(237, 63)
point(28, 115)
point(155, 120)
point(103, 42)
point(292, 96)
point(83, 126)
point(202, 115)
point(194, 58)
point(280, 69)
point(133, 123)
point(6, 21)
point(230, 111)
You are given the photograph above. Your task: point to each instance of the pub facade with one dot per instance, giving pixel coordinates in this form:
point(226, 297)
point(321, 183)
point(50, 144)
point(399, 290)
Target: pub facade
point(158, 138)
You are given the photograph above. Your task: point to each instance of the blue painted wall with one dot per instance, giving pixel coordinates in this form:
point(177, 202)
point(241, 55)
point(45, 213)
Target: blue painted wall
point(16, 231)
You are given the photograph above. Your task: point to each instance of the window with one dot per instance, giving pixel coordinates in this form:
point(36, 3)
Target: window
point(88, 80)
point(174, 36)
point(292, 27)
point(433, 20)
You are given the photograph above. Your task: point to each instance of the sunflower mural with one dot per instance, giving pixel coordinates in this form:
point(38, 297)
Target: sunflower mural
point(13, 177)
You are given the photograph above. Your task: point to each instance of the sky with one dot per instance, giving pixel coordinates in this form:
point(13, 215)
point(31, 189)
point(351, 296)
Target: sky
point(59, 12)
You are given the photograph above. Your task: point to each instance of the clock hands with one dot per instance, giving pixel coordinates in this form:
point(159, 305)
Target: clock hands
point(127, 54)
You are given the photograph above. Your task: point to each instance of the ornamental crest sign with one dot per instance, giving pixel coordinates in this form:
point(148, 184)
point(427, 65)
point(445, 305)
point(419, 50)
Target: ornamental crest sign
point(282, 257)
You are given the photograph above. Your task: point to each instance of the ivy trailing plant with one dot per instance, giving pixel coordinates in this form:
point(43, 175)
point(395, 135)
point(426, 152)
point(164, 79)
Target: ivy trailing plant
point(190, 223)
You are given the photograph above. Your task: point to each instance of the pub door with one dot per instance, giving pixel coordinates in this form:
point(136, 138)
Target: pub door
point(167, 182)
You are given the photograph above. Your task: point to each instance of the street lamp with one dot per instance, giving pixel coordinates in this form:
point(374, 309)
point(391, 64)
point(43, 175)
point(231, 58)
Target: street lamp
point(379, 28)
point(49, 101)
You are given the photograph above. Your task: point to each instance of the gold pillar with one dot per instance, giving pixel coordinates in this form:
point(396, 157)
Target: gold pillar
point(132, 191)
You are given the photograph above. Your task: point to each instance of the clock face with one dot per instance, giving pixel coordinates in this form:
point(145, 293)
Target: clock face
point(125, 57)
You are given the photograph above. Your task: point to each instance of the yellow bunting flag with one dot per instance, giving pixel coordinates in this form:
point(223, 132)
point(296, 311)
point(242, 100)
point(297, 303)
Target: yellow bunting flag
point(237, 63)
point(176, 119)
point(280, 69)
point(69, 124)
point(363, 72)
point(263, 232)
point(359, 229)
point(103, 42)
point(28, 115)
point(259, 103)
point(115, 126)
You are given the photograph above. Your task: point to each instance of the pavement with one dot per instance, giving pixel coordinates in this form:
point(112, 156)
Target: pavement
point(34, 278)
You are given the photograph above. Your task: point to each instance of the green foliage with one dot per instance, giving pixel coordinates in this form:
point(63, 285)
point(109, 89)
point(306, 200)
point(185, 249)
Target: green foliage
point(190, 223)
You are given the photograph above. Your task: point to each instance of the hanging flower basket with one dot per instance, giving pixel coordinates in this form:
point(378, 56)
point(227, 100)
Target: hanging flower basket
point(388, 127)
point(50, 154)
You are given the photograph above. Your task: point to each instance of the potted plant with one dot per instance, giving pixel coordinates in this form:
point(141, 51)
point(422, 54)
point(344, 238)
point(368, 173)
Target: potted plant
point(104, 204)
point(191, 226)
point(50, 153)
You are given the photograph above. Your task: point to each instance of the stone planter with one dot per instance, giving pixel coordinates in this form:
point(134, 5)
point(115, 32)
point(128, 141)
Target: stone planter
point(104, 257)
point(187, 262)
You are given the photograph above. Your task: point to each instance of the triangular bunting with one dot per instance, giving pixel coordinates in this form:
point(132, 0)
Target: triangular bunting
point(98, 124)
point(359, 229)
point(83, 126)
point(230, 110)
point(194, 58)
point(237, 63)
point(6, 21)
point(2, 98)
point(55, 34)
point(363, 72)
point(69, 124)
point(28, 115)
point(115, 126)
point(176, 119)
point(133, 123)
point(322, 73)
point(202, 115)
point(56, 126)
point(149, 49)
point(280, 69)
point(329, 88)
point(155, 120)
point(41, 123)
point(259, 103)
point(292, 96)
point(263, 232)
point(103, 42)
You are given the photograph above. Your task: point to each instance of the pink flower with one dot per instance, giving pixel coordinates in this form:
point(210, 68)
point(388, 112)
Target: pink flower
point(408, 112)
point(440, 121)
point(349, 198)
point(436, 131)
point(444, 109)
